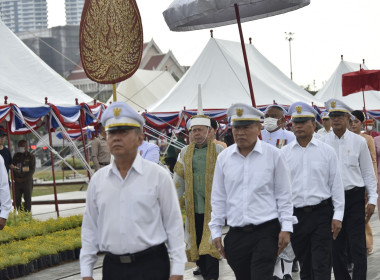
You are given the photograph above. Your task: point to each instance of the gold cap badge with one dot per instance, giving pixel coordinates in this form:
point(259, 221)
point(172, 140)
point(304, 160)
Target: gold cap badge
point(116, 112)
point(333, 104)
point(299, 109)
point(239, 112)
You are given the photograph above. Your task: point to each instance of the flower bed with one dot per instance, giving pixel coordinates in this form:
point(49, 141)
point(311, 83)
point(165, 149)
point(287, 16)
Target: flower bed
point(26, 249)
point(25, 229)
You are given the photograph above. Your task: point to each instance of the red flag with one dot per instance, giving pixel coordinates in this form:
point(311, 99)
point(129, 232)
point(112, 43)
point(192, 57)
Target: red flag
point(362, 80)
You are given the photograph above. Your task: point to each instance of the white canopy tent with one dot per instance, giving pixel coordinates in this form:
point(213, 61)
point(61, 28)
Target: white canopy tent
point(144, 88)
point(221, 73)
point(27, 80)
point(333, 89)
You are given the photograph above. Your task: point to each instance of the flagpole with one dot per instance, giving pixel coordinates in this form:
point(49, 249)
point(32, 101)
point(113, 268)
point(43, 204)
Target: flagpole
point(245, 56)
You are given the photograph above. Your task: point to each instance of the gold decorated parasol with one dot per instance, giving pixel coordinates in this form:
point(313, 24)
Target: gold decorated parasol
point(110, 40)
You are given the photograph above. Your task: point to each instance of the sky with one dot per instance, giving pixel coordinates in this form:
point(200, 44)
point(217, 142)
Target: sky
point(323, 31)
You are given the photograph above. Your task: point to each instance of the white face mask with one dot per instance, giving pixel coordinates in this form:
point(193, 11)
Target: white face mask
point(21, 149)
point(270, 124)
point(369, 127)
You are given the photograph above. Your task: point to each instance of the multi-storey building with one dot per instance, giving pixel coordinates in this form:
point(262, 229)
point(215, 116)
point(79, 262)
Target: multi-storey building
point(57, 46)
point(24, 15)
point(73, 11)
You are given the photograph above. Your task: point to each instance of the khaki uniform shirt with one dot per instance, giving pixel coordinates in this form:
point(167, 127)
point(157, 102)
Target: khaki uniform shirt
point(100, 153)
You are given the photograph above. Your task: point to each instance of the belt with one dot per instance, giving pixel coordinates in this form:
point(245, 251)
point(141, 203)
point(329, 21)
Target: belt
point(252, 227)
point(131, 258)
point(104, 163)
point(353, 190)
point(312, 208)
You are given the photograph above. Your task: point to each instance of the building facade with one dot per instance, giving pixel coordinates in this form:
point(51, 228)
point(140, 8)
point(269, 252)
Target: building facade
point(73, 10)
point(57, 46)
point(24, 15)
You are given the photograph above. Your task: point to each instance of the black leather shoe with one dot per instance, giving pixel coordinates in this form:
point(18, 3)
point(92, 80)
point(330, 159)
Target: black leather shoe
point(197, 271)
point(287, 277)
point(295, 266)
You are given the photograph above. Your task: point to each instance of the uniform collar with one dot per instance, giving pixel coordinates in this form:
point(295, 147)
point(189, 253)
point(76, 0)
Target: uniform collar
point(258, 147)
point(294, 143)
point(345, 135)
point(277, 131)
point(137, 165)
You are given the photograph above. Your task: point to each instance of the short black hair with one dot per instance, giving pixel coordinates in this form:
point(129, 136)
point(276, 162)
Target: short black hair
point(359, 115)
point(214, 124)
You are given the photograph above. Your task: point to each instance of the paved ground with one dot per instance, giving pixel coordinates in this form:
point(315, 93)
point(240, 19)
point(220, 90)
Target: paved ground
point(70, 271)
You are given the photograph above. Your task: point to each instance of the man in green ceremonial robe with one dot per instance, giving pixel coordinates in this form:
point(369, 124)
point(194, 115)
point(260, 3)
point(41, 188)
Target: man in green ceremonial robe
point(193, 176)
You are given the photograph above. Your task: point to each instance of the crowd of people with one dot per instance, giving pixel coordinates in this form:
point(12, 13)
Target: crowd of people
point(298, 196)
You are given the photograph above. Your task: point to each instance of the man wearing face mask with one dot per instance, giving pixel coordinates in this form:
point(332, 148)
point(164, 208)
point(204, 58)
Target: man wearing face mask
point(24, 167)
point(275, 134)
point(193, 176)
point(274, 122)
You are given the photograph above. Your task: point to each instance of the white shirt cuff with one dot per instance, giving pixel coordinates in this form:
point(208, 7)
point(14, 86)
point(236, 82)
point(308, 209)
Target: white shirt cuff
point(177, 269)
point(86, 271)
point(216, 232)
point(3, 215)
point(338, 215)
point(372, 200)
point(287, 226)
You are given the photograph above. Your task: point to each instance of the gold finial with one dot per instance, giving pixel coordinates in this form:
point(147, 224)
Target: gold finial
point(333, 104)
point(116, 112)
point(239, 112)
point(299, 109)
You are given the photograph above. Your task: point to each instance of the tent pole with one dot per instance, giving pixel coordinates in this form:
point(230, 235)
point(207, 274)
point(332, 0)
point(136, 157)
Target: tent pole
point(365, 114)
point(8, 124)
point(245, 55)
point(52, 166)
point(114, 92)
point(84, 142)
point(63, 166)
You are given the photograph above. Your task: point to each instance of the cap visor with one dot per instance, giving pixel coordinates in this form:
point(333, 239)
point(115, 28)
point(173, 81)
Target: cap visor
point(337, 113)
point(113, 128)
point(243, 123)
point(300, 120)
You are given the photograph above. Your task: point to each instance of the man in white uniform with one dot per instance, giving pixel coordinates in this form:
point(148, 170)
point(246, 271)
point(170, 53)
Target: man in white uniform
point(149, 151)
point(274, 122)
point(274, 134)
point(132, 209)
point(326, 122)
point(251, 189)
point(5, 198)
point(358, 176)
point(317, 195)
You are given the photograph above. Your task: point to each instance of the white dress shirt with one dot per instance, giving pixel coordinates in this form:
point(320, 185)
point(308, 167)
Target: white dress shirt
point(149, 151)
point(323, 131)
point(251, 190)
point(5, 198)
point(317, 136)
point(273, 137)
point(355, 162)
point(315, 175)
point(132, 214)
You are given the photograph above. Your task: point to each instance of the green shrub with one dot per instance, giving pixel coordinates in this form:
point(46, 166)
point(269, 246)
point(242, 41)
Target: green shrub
point(25, 228)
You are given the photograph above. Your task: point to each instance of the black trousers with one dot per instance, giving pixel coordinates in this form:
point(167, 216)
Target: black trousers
point(312, 242)
point(352, 236)
point(252, 254)
point(154, 266)
point(26, 189)
point(209, 265)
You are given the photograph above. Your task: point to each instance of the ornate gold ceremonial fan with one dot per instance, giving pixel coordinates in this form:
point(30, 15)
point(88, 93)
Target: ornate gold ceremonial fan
point(110, 40)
